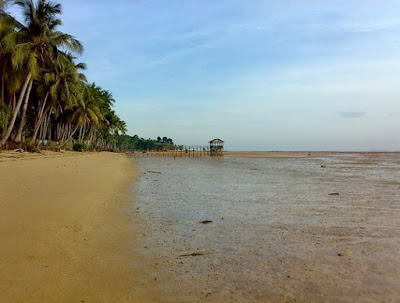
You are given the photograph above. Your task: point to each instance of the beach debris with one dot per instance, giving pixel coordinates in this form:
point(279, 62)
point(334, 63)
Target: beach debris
point(154, 172)
point(206, 221)
point(195, 254)
point(323, 166)
point(19, 150)
point(334, 194)
point(340, 254)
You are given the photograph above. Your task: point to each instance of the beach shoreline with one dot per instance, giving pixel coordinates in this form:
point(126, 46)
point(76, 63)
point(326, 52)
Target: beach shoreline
point(67, 230)
point(105, 227)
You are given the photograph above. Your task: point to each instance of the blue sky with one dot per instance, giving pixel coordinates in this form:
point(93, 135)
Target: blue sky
point(261, 75)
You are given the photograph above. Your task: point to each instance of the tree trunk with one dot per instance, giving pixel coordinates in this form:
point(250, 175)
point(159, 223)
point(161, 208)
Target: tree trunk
point(80, 134)
point(67, 131)
point(16, 111)
point(42, 129)
point(69, 138)
point(18, 139)
point(91, 134)
point(83, 132)
point(14, 101)
point(50, 130)
point(2, 90)
point(39, 122)
point(45, 126)
point(60, 131)
point(63, 130)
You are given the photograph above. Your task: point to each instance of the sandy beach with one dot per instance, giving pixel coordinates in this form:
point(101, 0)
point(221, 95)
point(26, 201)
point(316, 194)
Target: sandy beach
point(66, 229)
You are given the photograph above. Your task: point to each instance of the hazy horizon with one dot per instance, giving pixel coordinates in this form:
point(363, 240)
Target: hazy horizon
point(290, 75)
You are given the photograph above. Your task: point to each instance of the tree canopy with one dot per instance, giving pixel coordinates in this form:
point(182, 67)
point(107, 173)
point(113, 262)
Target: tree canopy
point(45, 98)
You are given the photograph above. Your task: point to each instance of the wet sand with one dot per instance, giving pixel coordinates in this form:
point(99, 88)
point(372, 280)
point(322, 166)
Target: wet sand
point(286, 227)
point(67, 230)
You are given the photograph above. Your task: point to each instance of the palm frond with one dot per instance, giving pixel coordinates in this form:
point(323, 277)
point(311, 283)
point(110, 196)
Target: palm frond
point(20, 54)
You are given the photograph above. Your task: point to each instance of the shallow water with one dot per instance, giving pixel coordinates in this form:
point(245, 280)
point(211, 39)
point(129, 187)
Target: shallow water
point(277, 235)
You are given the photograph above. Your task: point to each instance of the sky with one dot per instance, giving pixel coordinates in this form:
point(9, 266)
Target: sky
point(261, 75)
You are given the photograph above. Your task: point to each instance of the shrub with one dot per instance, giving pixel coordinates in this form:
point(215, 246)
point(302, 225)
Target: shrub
point(5, 115)
point(79, 147)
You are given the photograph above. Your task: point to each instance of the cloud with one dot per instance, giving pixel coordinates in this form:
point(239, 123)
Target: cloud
point(352, 115)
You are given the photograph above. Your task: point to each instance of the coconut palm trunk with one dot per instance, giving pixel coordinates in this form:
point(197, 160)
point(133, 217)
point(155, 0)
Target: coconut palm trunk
point(18, 139)
point(14, 102)
point(39, 121)
point(84, 132)
point(16, 111)
point(69, 138)
point(42, 128)
point(46, 126)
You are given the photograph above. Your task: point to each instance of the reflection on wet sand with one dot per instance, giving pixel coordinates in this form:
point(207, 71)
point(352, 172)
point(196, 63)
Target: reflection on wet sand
point(277, 235)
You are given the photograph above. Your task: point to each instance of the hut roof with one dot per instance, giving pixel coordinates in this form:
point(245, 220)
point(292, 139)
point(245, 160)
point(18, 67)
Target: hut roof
point(216, 140)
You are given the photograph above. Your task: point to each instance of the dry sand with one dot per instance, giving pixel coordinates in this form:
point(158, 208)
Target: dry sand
point(66, 230)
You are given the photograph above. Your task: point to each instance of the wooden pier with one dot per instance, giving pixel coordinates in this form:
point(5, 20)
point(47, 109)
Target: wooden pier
point(214, 149)
point(187, 151)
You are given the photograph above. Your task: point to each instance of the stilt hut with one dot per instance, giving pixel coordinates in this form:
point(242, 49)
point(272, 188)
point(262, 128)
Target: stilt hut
point(216, 147)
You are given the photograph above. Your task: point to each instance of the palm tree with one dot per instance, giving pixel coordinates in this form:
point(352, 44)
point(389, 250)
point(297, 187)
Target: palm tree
point(41, 87)
point(33, 45)
point(62, 85)
point(86, 113)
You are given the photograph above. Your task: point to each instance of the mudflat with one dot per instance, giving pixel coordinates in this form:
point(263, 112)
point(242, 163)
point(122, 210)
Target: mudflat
point(273, 227)
point(66, 230)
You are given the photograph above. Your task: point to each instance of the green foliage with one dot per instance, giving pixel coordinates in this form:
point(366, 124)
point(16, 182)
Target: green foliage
point(5, 115)
point(63, 106)
point(129, 143)
point(79, 147)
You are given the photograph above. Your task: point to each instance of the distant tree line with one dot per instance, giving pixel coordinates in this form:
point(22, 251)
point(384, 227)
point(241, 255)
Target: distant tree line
point(129, 143)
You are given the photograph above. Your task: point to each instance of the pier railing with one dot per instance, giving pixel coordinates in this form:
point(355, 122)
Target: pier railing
point(186, 151)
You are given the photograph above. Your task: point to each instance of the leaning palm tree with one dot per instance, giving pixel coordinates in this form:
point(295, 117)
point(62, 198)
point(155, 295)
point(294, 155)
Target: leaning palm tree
point(6, 75)
point(61, 87)
point(35, 44)
point(115, 125)
point(87, 113)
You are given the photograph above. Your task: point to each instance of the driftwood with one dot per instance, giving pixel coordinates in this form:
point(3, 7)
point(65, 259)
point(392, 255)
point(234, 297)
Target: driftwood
point(195, 254)
point(206, 221)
